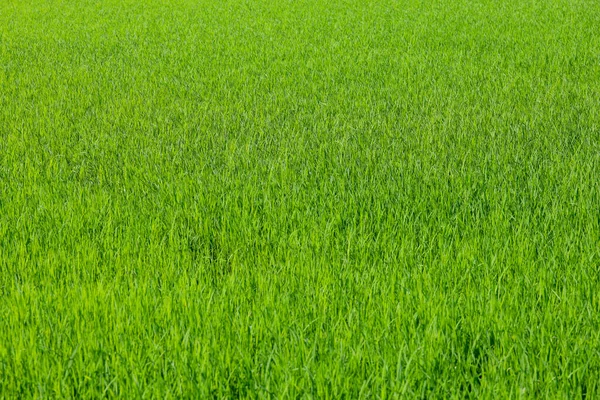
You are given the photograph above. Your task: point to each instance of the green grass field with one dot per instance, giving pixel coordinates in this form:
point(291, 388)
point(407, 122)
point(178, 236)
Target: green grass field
point(300, 199)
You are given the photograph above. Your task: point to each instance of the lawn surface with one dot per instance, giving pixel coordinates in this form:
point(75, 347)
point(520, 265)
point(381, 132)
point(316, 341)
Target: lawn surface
point(314, 198)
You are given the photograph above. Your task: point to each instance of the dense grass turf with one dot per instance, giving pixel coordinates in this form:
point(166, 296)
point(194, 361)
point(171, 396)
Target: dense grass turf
point(300, 198)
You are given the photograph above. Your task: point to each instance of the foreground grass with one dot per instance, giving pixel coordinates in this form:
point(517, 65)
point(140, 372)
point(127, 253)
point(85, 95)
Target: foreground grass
point(310, 198)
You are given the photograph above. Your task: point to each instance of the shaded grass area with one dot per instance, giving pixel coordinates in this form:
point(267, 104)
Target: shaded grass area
point(301, 199)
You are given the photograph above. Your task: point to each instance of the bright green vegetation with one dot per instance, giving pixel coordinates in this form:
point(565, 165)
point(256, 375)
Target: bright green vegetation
point(252, 198)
